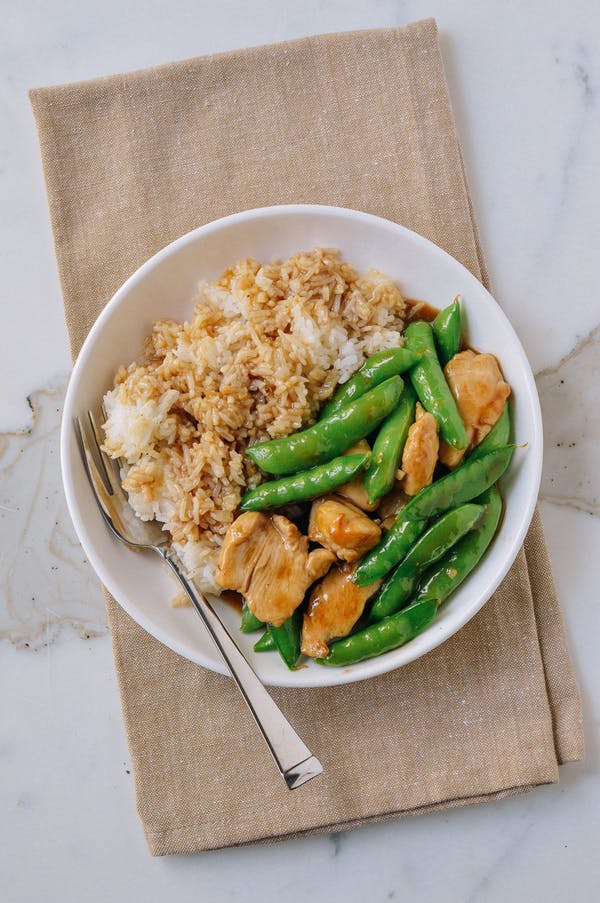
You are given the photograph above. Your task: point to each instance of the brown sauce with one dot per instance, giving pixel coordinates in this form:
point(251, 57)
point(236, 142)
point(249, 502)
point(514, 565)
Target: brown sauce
point(420, 310)
point(232, 598)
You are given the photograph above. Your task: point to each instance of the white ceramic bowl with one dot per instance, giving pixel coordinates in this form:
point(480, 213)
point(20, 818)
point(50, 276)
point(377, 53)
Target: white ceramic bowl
point(165, 286)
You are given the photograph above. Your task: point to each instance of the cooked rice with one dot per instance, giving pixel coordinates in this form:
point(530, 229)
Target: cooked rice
point(266, 346)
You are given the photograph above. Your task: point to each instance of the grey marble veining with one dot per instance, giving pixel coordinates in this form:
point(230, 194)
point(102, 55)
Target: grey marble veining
point(46, 583)
point(579, 71)
point(570, 399)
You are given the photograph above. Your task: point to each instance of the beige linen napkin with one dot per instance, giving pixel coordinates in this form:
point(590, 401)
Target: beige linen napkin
point(360, 120)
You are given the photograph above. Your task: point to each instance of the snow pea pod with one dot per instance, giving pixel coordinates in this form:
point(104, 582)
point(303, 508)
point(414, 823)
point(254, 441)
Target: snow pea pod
point(331, 436)
point(393, 547)
point(287, 638)
point(447, 575)
point(304, 486)
point(377, 368)
point(459, 486)
point(447, 331)
point(430, 385)
point(388, 447)
point(250, 622)
point(445, 533)
point(499, 435)
point(266, 643)
point(383, 636)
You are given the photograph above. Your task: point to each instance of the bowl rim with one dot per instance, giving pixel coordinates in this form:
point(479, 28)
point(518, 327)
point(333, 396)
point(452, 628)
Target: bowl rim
point(436, 634)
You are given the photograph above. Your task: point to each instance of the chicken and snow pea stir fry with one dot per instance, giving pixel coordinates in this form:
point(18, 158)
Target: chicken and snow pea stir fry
point(380, 510)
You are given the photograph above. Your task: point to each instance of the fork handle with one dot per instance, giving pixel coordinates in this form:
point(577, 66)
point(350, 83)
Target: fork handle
point(293, 758)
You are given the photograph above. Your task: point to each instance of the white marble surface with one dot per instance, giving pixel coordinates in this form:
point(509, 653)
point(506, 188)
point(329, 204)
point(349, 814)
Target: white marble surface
point(525, 82)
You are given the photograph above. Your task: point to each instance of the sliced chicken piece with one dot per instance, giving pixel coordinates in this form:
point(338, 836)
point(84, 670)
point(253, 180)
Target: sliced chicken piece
point(480, 391)
point(450, 456)
point(420, 452)
point(355, 490)
point(393, 503)
point(266, 559)
point(335, 605)
point(342, 528)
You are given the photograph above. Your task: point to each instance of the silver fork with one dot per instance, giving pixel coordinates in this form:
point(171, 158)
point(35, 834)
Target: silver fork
point(294, 760)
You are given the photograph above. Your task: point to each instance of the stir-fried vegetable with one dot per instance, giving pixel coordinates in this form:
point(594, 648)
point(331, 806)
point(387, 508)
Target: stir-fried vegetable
point(430, 385)
point(382, 637)
point(375, 370)
point(445, 533)
point(498, 436)
point(304, 486)
point(331, 436)
point(460, 486)
point(447, 331)
point(250, 622)
point(266, 643)
point(287, 639)
point(389, 444)
point(449, 573)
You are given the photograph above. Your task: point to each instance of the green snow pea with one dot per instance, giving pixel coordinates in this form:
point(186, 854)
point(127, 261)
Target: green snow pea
point(377, 368)
point(250, 622)
point(287, 638)
point(447, 575)
point(388, 447)
point(304, 486)
point(430, 385)
point(439, 582)
point(499, 435)
point(445, 533)
point(392, 549)
point(447, 331)
point(266, 643)
point(459, 486)
point(331, 436)
point(383, 636)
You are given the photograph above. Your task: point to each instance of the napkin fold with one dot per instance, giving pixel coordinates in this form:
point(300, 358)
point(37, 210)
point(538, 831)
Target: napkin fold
point(358, 120)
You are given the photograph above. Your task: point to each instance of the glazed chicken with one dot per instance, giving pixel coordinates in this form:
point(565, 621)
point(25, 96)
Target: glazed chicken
point(335, 605)
point(391, 505)
point(480, 391)
point(266, 559)
point(420, 452)
point(355, 490)
point(342, 528)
